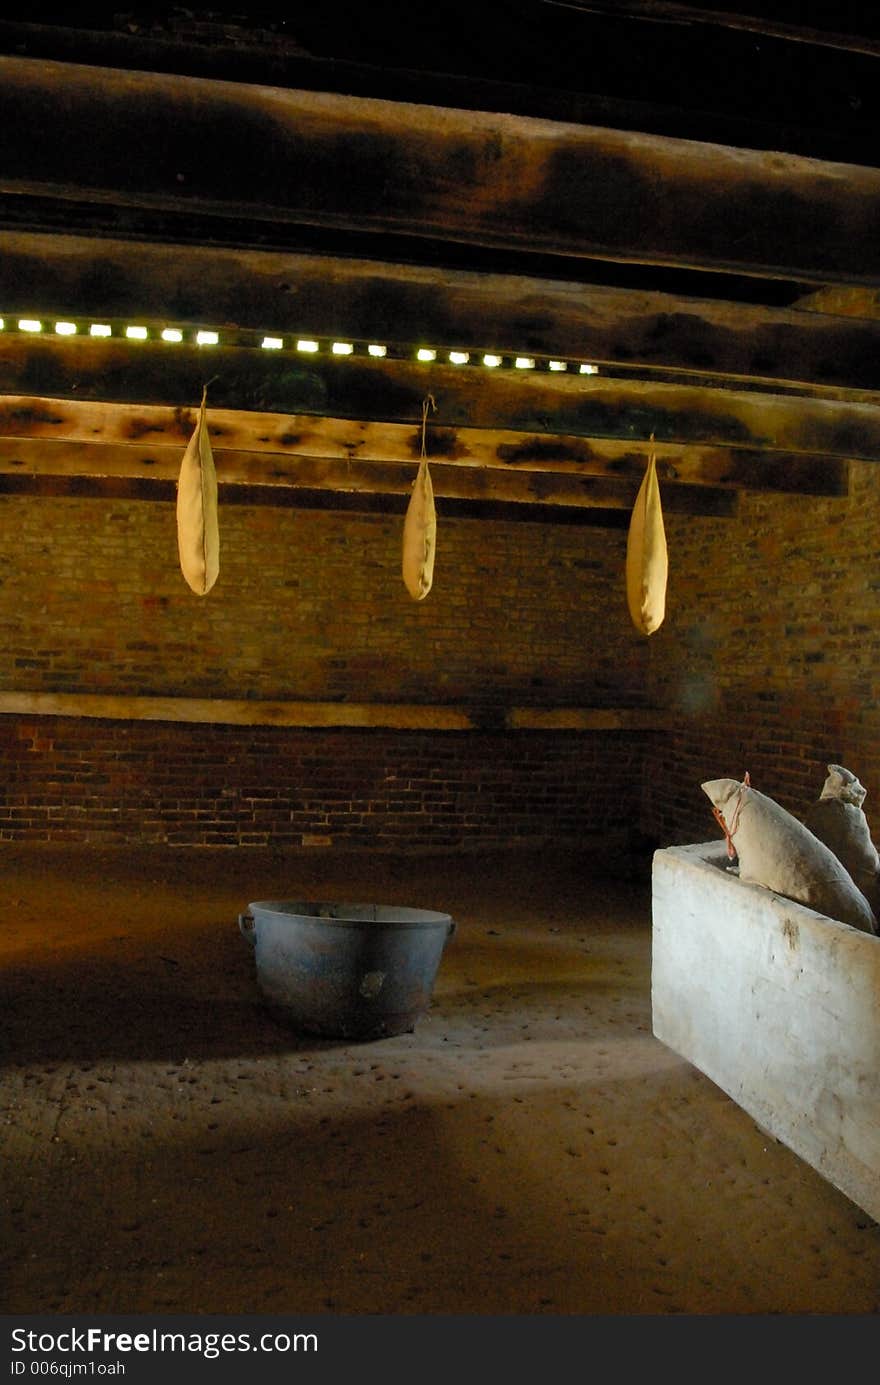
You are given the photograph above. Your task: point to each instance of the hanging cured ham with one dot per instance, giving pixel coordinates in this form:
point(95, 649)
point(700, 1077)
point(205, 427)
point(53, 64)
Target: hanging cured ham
point(420, 527)
point(198, 535)
point(647, 562)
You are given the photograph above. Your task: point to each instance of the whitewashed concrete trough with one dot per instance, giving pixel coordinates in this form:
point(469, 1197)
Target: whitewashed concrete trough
point(778, 1005)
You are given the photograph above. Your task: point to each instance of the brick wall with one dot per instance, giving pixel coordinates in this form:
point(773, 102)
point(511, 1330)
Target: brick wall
point(72, 779)
point(769, 656)
point(310, 605)
point(768, 660)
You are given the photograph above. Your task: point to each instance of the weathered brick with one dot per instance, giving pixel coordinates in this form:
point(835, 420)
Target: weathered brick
point(311, 606)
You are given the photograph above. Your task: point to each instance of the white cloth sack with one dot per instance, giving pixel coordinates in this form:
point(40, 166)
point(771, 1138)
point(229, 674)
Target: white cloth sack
point(647, 563)
point(420, 536)
point(838, 820)
point(198, 533)
point(777, 851)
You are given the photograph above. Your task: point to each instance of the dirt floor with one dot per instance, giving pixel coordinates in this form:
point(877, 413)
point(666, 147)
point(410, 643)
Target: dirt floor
point(530, 1148)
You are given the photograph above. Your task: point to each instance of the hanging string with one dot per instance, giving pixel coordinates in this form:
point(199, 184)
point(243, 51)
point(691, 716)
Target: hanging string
point(427, 402)
point(207, 383)
point(729, 831)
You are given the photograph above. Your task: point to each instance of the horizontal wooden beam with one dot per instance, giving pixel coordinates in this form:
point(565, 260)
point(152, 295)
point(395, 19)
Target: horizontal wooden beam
point(271, 452)
point(359, 715)
point(654, 74)
point(472, 396)
point(842, 301)
point(325, 297)
point(760, 23)
point(479, 511)
point(160, 468)
point(189, 145)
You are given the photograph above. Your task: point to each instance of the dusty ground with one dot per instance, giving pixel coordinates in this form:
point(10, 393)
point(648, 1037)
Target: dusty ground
point(530, 1148)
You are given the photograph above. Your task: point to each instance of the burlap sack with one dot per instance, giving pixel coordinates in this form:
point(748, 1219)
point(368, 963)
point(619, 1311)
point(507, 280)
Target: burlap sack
point(777, 851)
point(420, 536)
point(198, 533)
point(647, 562)
point(838, 820)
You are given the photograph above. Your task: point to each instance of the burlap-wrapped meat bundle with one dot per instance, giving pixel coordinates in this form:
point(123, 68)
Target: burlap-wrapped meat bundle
point(777, 851)
point(420, 536)
point(838, 819)
point(198, 530)
point(647, 562)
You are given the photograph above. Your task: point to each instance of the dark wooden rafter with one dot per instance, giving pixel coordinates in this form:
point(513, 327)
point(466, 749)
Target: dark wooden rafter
point(539, 489)
point(822, 84)
point(332, 455)
point(393, 390)
point(367, 300)
point(73, 438)
point(353, 502)
point(842, 301)
point(737, 394)
point(760, 22)
point(322, 159)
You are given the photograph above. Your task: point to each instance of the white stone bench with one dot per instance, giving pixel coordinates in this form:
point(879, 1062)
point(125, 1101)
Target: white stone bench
point(778, 1005)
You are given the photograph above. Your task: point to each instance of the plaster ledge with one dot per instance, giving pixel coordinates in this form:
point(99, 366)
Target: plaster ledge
point(403, 716)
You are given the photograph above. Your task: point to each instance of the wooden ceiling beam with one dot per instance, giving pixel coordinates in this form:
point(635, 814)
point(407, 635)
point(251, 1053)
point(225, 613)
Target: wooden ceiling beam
point(778, 93)
point(67, 437)
point(141, 139)
point(160, 467)
point(393, 391)
point(351, 502)
point(841, 301)
point(328, 297)
point(760, 22)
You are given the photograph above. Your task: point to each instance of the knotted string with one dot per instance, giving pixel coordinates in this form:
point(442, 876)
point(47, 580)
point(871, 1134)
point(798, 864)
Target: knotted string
point(427, 402)
point(734, 819)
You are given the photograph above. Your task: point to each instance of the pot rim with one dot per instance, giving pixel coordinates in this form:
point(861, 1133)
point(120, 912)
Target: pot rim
point(349, 915)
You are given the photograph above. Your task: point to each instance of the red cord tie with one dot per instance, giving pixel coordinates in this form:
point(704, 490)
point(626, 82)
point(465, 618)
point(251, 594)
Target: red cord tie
point(734, 821)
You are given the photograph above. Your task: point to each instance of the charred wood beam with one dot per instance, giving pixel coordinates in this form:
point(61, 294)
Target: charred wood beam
point(327, 297)
point(160, 467)
point(79, 439)
point(279, 497)
point(392, 391)
point(33, 213)
point(270, 64)
point(842, 302)
point(645, 75)
point(763, 23)
point(288, 157)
